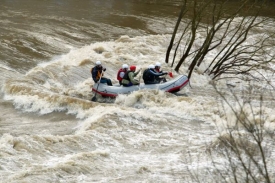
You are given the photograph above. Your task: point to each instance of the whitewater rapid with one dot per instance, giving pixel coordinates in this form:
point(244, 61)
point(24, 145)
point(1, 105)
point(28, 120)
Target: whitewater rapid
point(52, 132)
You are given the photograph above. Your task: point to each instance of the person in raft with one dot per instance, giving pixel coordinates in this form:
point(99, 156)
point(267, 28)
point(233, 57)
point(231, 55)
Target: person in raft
point(129, 77)
point(97, 74)
point(121, 72)
point(157, 69)
point(150, 76)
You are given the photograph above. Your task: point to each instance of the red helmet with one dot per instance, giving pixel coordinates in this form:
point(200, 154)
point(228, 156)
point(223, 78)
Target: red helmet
point(132, 68)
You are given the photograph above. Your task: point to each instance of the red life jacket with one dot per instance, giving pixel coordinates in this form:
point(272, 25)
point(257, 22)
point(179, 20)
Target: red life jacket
point(118, 74)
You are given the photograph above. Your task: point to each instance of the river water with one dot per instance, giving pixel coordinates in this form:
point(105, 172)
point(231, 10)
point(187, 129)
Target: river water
point(50, 131)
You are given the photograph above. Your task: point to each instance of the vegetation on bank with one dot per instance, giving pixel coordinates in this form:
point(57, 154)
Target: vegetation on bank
point(239, 42)
point(217, 28)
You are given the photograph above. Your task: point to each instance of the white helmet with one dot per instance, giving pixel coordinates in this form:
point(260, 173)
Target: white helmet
point(125, 66)
point(158, 64)
point(98, 63)
point(151, 66)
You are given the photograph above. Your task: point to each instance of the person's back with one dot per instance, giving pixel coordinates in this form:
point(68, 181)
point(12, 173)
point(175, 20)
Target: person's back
point(128, 79)
point(121, 72)
point(150, 75)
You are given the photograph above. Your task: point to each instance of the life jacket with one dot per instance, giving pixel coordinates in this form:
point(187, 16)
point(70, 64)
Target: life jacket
point(119, 72)
point(126, 75)
point(98, 72)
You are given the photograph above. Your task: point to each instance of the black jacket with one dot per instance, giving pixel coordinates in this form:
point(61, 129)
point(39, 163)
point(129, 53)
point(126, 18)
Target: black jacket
point(96, 72)
point(150, 76)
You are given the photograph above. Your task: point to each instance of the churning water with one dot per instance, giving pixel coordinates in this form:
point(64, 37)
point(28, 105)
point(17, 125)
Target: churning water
point(50, 131)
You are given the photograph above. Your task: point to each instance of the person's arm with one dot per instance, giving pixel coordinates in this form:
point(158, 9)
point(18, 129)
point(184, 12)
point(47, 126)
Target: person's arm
point(136, 73)
point(157, 74)
point(121, 74)
point(131, 77)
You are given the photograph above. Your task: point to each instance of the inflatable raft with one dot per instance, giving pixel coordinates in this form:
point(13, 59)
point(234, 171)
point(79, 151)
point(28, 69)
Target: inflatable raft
point(172, 86)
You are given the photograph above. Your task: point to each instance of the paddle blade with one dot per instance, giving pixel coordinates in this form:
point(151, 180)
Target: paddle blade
point(171, 74)
point(93, 99)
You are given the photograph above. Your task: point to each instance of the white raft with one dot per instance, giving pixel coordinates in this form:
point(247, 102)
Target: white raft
point(172, 86)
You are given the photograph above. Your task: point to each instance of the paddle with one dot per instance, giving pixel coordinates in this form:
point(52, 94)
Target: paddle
point(94, 97)
point(170, 74)
point(139, 79)
point(164, 79)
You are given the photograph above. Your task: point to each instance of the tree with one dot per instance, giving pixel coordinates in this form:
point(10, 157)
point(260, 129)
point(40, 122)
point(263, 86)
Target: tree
point(231, 43)
point(243, 147)
point(246, 144)
point(213, 29)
